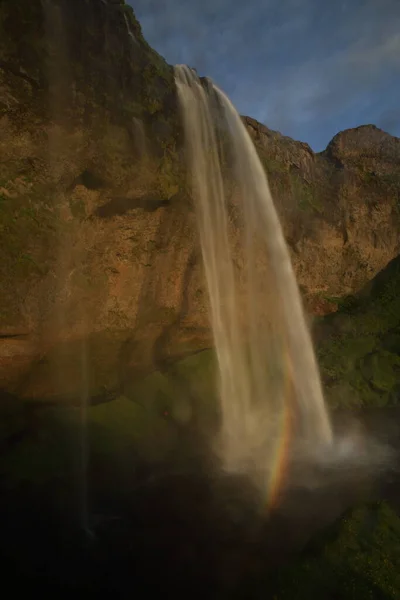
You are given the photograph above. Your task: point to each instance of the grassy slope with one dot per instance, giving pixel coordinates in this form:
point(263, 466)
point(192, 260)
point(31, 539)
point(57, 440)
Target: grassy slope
point(359, 346)
point(357, 560)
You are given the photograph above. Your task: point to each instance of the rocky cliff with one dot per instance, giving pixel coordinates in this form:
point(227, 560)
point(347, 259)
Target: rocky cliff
point(359, 345)
point(101, 273)
point(94, 249)
point(340, 208)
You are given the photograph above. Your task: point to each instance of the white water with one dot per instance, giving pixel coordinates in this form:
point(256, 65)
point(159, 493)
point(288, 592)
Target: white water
point(267, 367)
point(130, 33)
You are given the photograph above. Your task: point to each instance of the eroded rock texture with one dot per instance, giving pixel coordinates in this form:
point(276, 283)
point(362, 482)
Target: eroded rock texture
point(101, 273)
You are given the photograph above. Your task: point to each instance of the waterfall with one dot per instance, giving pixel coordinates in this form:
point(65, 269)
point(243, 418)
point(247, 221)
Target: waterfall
point(60, 80)
point(268, 376)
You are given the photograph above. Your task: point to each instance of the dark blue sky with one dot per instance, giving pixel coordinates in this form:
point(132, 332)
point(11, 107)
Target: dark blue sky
point(308, 68)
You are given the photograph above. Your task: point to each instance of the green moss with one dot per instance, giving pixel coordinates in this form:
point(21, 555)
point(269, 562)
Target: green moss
point(170, 176)
point(305, 194)
point(360, 347)
point(273, 166)
point(357, 559)
point(144, 423)
point(199, 370)
point(125, 430)
point(186, 390)
point(27, 229)
point(156, 83)
point(133, 109)
point(167, 181)
point(382, 369)
point(118, 433)
point(134, 25)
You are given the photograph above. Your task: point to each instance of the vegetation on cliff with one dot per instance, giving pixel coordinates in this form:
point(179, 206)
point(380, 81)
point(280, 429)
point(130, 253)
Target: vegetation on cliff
point(356, 560)
point(95, 213)
point(339, 208)
point(102, 286)
point(90, 150)
point(359, 346)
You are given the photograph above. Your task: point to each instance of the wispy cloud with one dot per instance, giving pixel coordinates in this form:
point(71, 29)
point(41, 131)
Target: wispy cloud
point(341, 87)
point(305, 67)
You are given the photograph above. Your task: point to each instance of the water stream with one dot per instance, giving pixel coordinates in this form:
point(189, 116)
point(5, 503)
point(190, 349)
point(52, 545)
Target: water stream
point(268, 375)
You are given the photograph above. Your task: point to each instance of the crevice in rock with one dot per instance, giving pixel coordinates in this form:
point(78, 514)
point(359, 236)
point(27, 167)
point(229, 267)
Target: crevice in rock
point(13, 336)
point(90, 180)
point(345, 233)
point(120, 206)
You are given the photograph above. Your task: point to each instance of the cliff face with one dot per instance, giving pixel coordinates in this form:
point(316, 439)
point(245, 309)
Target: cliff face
point(340, 208)
point(96, 250)
point(101, 271)
point(359, 345)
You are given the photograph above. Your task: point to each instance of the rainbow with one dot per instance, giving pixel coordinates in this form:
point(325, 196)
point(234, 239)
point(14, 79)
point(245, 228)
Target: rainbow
point(280, 460)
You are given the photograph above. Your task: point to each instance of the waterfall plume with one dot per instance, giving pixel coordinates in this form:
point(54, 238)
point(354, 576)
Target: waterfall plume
point(269, 383)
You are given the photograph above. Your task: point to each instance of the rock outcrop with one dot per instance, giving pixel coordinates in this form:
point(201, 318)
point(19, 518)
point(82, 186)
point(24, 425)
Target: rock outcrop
point(340, 208)
point(359, 345)
point(96, 248)
point(362, 547)
point(101, 274)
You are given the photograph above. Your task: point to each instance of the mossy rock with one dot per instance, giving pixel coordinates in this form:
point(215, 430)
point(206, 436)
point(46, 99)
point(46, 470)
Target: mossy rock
point(359, 346)
point(147, 424)
point(119, 433)
point(126, 430)
point(186, 390)
point(27, 229)
point(382, 369)
point(358, 558)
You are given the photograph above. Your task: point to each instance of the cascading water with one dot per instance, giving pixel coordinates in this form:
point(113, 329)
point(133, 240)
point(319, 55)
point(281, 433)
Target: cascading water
point(59, 76)
point(268, 375)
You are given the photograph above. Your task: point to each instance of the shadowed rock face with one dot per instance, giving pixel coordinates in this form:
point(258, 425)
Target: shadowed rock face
point(159, 504)
point(97, 233)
